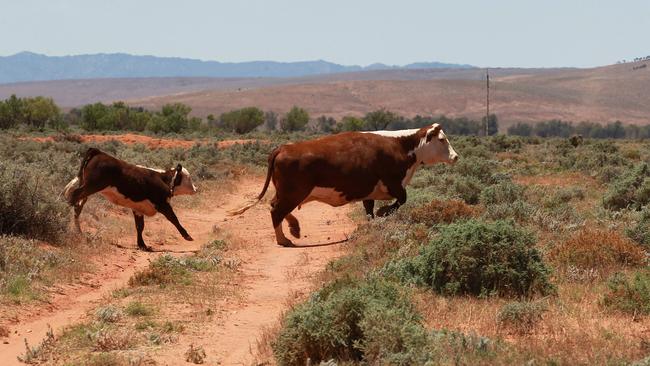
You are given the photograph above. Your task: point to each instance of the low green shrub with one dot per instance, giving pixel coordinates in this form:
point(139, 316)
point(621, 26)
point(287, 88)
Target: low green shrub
point(163, 271)
point(631, 190)
point(479, 258)
point(640, 232)
point(108, 314)
point(520, 316)
point(29, 207)
point(629, 294)
point(371, 321)
point(136, 308)
point(24, 264)
point(503, 192)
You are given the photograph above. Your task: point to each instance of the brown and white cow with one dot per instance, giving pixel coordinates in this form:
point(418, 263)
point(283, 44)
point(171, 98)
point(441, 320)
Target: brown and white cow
point(349, 167)
point(144, 190)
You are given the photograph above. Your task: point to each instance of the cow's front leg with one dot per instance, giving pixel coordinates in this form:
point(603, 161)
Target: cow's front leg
point(399, 193)
point(139, 227)
point(168, 211)
point(369, 206)
point(77, 211)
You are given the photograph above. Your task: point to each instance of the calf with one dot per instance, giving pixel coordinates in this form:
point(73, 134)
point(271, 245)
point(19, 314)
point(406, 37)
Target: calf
point(349, 167)
point(145, 191)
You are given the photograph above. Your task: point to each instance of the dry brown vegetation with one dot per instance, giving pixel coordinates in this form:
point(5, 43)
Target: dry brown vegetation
point(598, 251)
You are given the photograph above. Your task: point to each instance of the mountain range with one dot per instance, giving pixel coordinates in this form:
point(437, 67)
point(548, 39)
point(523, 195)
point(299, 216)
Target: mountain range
point(29, 66)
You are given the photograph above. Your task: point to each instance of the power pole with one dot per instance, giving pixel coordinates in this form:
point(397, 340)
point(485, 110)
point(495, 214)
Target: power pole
point(487, 104)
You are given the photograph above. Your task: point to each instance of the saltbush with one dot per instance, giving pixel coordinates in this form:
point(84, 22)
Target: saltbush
point(632, 189)
point(479, 258)
point(520, 316)
point(371, 321)
point(630, 294)
point(640, 232)
point(28, 205)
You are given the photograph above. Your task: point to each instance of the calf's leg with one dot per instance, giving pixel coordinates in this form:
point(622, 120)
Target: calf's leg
point(139, 227)
point(168, 212)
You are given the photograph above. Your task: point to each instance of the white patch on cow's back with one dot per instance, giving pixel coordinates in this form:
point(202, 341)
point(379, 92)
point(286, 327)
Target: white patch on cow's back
point(326, 195)
point(396, 133)
point(142, 207)
point(154, 169)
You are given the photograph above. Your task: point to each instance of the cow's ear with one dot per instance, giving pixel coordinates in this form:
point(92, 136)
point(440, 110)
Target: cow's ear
point(179, 168)
point(433, 133)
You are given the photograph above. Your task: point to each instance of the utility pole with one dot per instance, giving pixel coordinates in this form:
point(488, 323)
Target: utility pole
point(487, 104)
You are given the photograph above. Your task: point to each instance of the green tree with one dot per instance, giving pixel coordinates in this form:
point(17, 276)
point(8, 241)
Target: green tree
point(493, 124)
point(175, 116)
point(379, 119)
point(520, 129)
point(40, 111)
point(91, 114)
point(325, 124)
point(295, 120)
point(270, 120)
point(242, 120)
point(350, 123)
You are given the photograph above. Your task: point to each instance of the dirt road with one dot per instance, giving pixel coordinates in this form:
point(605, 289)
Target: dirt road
point(269, 275)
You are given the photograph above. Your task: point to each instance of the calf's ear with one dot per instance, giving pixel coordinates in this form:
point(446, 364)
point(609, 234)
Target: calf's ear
point(179, 168)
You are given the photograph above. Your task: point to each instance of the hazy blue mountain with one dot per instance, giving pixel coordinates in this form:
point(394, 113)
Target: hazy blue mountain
point(28, 66)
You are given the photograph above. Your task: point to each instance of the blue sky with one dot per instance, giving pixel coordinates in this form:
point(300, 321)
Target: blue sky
point(523, 33)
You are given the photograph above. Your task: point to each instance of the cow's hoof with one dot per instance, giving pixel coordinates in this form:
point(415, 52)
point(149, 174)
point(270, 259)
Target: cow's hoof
point(286, 243)
point(188, 238)
point(295, 231)
point(385, 211)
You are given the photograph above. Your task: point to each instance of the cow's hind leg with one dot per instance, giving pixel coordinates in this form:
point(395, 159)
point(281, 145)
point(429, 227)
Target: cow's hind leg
point(294, 225)
point(168, 211)
point(369, 206)
point(399, 193)
point(139, 227)
point(281, 209)
point(78, 199)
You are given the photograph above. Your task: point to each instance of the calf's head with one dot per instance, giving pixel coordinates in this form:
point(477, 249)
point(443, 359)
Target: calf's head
point(434, 147)
point(182, 182)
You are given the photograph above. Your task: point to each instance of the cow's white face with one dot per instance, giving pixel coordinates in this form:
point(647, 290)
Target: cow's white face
point(435, 148)
point(185, 186)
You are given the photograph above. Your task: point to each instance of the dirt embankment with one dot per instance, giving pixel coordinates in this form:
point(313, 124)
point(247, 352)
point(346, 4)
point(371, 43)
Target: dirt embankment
point(150, 142)
point(269, 275)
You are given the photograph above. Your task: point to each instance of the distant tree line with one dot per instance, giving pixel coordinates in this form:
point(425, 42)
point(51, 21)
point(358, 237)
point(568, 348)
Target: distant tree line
point(558, 128)
point(41, 112)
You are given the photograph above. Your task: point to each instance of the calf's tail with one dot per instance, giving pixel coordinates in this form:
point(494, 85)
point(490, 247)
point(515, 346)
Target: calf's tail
point(78, 180)
point(269, 173)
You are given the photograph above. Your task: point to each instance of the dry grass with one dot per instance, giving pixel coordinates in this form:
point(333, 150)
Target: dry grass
point(575, 329)
point(442, 212)
point(596, 250)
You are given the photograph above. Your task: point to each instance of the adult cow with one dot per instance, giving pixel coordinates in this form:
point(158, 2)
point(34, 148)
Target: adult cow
point(349, 167)
point(144, 190)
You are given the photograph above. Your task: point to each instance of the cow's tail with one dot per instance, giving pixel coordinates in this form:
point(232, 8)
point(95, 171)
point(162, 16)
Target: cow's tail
point(269, 173)
point(76, 181)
